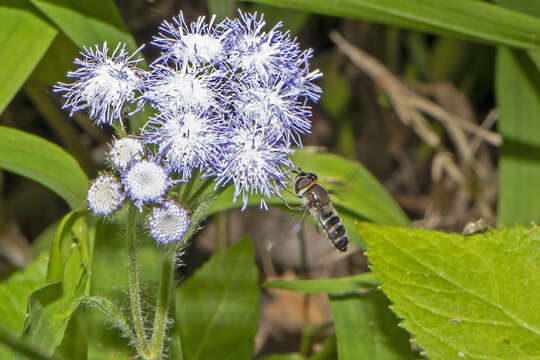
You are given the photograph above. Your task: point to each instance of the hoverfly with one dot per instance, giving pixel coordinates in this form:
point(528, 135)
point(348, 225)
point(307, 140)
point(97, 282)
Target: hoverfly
point(317, 202)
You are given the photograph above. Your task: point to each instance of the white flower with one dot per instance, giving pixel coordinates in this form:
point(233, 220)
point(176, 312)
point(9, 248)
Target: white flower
point(169, 222)
point(146, 181)
point(124, 151)
point(104, 84)
point(190, 87)
point(255, 159)
point(105, 195)
point(186, 140)
point(198, 42)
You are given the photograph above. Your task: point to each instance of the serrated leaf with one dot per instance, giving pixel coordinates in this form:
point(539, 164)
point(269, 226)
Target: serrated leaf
point(478, 20)
point(24, 39)
point(87, 22)
point(42, 161)
point(336, 285)
point(14, 293)
point(366, 329)
point(218, 307)
point(462, 297)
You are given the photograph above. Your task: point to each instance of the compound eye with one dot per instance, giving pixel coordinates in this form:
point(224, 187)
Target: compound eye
point(301, 183)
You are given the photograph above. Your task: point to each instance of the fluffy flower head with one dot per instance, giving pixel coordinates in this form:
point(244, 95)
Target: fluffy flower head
point(168, 222)
point(146, 181)
point(187, 87)
point(255, 161)
point(197, 42)
point(124, 151)
point(104, 83)
point(105, 195)
point(186, 140)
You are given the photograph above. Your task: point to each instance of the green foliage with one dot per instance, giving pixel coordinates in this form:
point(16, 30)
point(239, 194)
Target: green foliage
point(51, 307)
point(470, 297)
point(477, 20)
point(23, 45)
point(218, 308)
point(367, 329)
point(44, 162)
point(518, 98)
point(87, 22)
point(336, 285)
point(14, 294)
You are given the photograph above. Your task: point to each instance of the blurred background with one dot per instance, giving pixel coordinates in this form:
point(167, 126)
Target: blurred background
point(417, 109)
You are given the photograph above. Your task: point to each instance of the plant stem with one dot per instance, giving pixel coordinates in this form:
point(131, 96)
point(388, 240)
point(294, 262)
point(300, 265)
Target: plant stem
point(134, 291)
point(200, 190)
point(164, 297)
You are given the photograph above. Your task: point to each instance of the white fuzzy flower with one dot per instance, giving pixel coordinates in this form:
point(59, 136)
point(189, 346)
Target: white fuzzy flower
point(104, 83)
point(124, 151)
point(186, 140)
point(105, 195)
point(196, 42)
point(190, 87)
point(168, 223)
point(146, 181)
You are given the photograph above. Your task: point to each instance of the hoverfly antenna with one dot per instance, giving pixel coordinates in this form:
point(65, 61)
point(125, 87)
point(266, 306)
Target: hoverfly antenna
point(296, 171)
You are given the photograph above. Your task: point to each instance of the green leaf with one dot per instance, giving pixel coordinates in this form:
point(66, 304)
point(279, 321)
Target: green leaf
point(51, 307)
point(220, 8)
point(367, 329)
point(87, 22)
point(218, 308)
point(329, 350)
point(289, 356)
point(337, 285)
point(477, 20)
point(462, 297)
point(518, 98)
point(37, 159)
point(14, 294)
point(25, 38)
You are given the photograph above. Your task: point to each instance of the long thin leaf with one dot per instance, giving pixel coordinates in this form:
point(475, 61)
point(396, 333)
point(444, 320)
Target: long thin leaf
point(44, 162)
point(24, 39)
point(477, 20)
point(337, 285)
point(518, 98)
point(87, 22)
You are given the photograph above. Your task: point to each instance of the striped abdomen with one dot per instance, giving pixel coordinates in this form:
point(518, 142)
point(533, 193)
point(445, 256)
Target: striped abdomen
point(331, 223)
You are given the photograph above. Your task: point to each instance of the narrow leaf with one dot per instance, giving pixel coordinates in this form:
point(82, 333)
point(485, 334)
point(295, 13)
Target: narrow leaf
point(337, 285)
point(218, 308)
point(477, 20)
point(367, 329)
point(37, 159)
point(87, 22)
point(25, 38)
point(462, 297)
point(518, 98)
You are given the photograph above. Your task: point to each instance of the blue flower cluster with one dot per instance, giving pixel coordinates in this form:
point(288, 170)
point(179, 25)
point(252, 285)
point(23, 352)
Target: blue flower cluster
point(229, 99)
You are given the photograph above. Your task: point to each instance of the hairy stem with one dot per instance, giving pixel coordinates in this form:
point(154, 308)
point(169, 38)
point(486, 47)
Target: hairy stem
point(134, 291)
point(166, 290)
